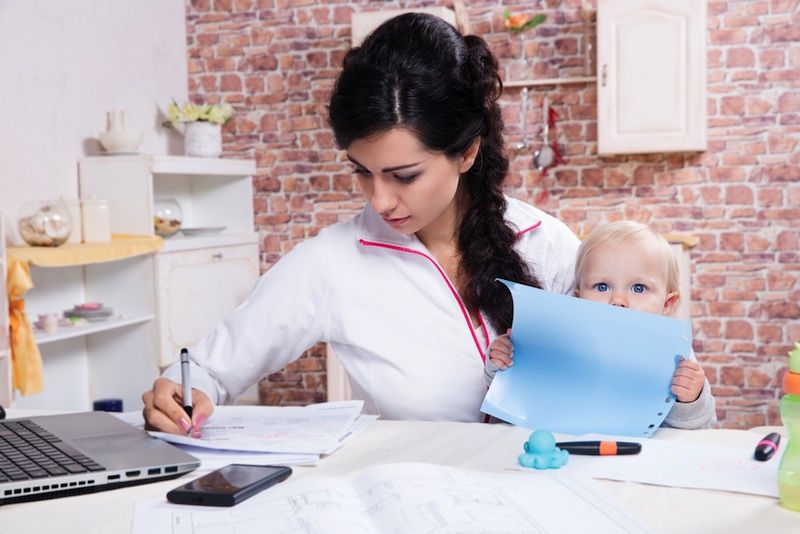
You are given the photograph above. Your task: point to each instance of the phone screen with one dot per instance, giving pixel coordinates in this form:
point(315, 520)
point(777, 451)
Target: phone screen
point(232, 478)
point(229, 485)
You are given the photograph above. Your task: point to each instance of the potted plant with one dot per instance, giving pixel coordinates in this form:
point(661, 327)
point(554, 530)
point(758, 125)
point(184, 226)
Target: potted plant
point(202, 126)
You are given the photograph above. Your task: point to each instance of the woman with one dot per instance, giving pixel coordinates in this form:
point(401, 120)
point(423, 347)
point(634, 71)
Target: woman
point(405, 291)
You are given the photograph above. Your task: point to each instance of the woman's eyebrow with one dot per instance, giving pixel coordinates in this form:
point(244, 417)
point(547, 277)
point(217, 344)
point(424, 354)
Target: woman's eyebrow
point(385, 169)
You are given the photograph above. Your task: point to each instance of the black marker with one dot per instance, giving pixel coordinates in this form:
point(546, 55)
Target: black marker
point(600, 448)
point(767, 447)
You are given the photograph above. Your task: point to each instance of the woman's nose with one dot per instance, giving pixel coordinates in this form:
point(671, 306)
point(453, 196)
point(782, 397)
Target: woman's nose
point(383, 198)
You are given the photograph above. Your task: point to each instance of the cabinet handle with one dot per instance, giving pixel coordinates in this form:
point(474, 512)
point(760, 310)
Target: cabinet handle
point(216, 256)
point(604, 75)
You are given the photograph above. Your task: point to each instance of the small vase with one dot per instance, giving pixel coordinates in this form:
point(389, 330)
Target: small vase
point(202, 139)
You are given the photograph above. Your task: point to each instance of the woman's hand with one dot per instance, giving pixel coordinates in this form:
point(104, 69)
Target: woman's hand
point(688, 380)
point(163, 409)
point(501, 351)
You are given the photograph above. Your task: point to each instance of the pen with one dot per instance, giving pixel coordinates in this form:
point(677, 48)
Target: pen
point(600, 448)
point(767, 447)
point(187, 386)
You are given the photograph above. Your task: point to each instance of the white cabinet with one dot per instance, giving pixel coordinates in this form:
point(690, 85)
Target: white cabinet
point(651, 57)
point(197, 288)
point(201, 277)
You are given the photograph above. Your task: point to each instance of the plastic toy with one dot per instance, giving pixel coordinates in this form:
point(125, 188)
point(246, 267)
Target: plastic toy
point(541, 452)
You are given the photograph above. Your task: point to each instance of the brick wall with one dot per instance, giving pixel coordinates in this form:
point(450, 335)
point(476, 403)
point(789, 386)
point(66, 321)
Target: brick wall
point(275, 61)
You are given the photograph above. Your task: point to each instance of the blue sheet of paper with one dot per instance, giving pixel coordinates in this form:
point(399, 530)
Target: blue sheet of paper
point(581, 366)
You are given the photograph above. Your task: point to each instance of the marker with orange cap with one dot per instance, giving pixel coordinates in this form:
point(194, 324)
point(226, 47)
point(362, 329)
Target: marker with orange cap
point(600, 448)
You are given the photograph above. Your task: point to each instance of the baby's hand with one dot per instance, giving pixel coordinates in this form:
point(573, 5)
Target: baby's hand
point(688, 380)
point(501, 351)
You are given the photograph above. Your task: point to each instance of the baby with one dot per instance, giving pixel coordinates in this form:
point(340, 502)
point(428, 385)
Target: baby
point(627, 264)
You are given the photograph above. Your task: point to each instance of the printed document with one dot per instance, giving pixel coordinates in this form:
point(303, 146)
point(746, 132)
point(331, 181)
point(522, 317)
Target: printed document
point(405, 497)
point(314, 429)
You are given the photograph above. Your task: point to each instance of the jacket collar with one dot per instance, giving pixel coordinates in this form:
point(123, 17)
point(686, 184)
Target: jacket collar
point(371, 226)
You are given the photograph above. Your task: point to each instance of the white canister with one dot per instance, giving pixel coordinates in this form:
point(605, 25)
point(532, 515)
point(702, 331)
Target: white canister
point(74, 208)
point(96, 220)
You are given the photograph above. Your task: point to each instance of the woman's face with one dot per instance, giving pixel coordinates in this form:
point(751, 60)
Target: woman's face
point(406, 184)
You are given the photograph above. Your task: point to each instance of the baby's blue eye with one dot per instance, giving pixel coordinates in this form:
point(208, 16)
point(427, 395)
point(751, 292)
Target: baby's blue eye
point(602, 287)
point(639, 288)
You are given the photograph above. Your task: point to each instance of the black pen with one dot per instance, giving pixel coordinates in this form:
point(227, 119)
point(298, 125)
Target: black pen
point(185, 382)
point(767, 447)
point(600, 448)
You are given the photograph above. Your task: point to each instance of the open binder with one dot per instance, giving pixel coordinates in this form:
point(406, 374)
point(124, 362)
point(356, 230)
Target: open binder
point(581, 366)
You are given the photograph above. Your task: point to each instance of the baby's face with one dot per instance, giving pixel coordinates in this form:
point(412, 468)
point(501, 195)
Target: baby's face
point(631, 275)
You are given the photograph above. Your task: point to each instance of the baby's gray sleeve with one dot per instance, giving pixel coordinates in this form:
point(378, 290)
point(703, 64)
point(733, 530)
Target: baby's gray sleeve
point(702, 413)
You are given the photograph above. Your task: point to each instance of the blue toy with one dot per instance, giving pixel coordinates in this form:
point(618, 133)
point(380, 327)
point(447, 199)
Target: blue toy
point(541, 452)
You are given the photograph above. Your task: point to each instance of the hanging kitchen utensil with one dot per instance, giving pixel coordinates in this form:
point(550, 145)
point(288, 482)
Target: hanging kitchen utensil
point(524, 143)
point(545, 157)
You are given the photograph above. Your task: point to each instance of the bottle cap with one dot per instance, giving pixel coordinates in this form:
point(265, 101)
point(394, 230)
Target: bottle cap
point(794, 359)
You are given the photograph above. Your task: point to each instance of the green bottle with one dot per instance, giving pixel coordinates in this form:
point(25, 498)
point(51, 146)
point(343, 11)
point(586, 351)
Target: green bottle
point(789, 468)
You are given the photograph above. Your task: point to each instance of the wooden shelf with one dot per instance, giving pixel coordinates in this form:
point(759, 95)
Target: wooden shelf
point(119, 248)
point(549, 81)
point(69, 332)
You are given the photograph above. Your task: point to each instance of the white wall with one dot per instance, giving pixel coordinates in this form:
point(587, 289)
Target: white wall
point(63, 64)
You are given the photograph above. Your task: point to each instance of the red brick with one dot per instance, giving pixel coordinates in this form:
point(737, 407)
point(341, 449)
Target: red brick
point(789, 101)
point(782, 310)
point(731, 376)
point(730, 241)
point(740, 57)
point(768, 59)
point(732, 105)
point(738, 330)
point(738, 194)
point(726, 309)
point(781, 281)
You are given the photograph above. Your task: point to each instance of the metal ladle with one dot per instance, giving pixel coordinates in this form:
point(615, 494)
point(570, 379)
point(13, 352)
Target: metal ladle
point(545, 157)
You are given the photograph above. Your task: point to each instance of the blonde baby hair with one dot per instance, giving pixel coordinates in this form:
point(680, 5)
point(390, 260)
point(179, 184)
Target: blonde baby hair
point(626, 233)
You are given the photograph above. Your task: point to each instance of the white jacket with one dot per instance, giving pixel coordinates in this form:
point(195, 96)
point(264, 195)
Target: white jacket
point(388, 310)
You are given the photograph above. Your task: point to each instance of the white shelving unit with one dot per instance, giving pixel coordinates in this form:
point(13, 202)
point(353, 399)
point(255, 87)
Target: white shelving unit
point(5, 354)
point(198, 279)
point(112, 358)
point(162, 301)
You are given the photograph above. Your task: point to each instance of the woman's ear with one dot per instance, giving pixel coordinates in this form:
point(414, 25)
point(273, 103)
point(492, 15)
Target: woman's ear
point(468, 157)
point(671, 303)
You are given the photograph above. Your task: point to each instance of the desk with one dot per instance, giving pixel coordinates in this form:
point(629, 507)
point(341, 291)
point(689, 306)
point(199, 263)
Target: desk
point(465, 445)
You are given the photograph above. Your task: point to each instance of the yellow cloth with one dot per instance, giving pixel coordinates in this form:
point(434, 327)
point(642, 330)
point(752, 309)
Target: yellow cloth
point(121, 246)
point(26, 361)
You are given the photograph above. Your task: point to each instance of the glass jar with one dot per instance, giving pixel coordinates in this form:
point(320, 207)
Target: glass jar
point(44, 223)
point(167, 216)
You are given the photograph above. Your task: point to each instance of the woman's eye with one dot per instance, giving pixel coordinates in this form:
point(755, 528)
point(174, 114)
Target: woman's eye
point(362, 171)
point(601, 287)
point(639, 288)
point(406, 179)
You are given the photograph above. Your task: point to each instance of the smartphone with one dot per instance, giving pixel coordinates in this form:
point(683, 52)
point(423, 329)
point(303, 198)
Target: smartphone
point(229, 485)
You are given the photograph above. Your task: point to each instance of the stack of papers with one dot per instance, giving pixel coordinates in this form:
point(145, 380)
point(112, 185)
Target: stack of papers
point(271, 434)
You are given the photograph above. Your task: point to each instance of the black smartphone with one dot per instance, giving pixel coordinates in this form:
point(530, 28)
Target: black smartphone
point(229, 485)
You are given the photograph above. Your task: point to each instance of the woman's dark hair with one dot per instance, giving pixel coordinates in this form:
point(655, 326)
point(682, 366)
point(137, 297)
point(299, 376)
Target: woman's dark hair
point(417, 72)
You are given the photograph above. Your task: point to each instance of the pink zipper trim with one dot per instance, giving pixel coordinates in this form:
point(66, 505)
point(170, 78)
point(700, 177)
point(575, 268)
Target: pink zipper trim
point(449, 285)
point(528, 229)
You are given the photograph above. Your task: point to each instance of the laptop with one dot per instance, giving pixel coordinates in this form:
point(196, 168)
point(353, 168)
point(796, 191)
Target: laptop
point(58, 455)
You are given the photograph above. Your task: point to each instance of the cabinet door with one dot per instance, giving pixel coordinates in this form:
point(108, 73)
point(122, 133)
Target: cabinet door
point(196, 289)
point(651, 57)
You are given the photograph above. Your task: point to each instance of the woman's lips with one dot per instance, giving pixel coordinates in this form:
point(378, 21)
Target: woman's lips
point(397, 222)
